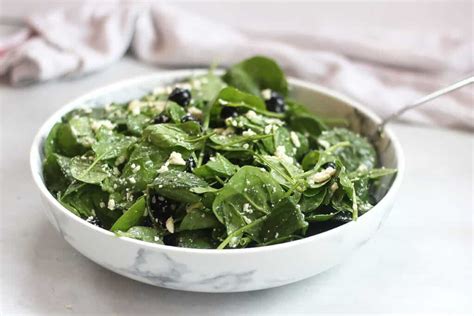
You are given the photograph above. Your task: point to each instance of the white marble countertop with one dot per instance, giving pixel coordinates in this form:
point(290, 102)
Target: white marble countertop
point(419, 262)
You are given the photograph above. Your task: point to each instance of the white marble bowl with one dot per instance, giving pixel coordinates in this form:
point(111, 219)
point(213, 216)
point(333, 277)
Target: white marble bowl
point(230, 270)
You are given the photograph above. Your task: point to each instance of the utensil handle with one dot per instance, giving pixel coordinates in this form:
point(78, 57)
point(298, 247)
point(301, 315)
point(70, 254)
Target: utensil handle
point(427, 98)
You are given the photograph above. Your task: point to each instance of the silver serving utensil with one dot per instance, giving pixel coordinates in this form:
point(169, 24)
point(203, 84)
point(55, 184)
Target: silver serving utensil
point(423, 100)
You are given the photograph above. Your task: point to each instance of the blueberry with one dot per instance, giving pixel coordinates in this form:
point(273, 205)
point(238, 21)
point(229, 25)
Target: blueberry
point(329, 165)
point(190, 164)
point(187, 117)
point(228, 111)
point(160, 209)
point(180, 96)
point(161, 119)
point(208, 154)
point(276, 103)
point(93, 220)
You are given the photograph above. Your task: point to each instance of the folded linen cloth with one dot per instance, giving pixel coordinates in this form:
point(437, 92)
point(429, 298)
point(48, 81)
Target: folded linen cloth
point(382, 69)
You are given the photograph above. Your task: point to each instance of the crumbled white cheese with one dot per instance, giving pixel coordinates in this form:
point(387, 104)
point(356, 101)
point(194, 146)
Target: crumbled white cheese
point(111, 204)
point(95, 125)
point(274, 121)
point(268, 129)
point(195, 112)
point(132, 180)
point(156, 238)
point(176, 159)
point(334, 187)
point(246, 219)
point(135, 168)
point(102, 204)
point(245, 146)
point(247, 208)
point(295, 139)
point(266, 94)
point(170, 224)
point(163, 168)
point(251, 115)
point(184, 85)
point(249, 132)
point(120, 160)
point(230, 122)
point(159, 105)
point(321, 176)
point(281, 154)
point(323, 143)
point(135, 107)
point(362, 167)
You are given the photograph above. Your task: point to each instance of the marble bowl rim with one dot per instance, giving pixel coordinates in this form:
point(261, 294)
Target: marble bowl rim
point(36, 149)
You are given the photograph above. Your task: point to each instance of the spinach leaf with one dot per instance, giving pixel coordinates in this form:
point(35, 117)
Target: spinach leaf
point(232, 97)
point(88, 170)
point(55, 172)
point(137, 123)
point(256, 74)
point(115, 145)
point(207, 87)
point(200, 239)
point(143, 233)
point(174, 111)
point(250, 194)
point(199, 219)
point(313, 217)
point(82, 130)
point(284, 220)
point(360, 153)
point(312, 199)
point(67, 143)
point(132, 217)
point(359, 175)
point(218, 166)
point(285, 173)
point(300, 120)
point(143, 165)
point(50, 141)
point(168, 136)
point(90, 201)
point(177, 185)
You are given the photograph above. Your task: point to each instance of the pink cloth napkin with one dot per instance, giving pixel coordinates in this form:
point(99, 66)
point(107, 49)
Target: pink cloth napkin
point(382, 69)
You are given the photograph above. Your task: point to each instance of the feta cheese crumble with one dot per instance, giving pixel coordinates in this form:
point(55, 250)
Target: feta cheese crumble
point(266, 94)
point(321, 176)
point(95, 125)
point(111, 204)
point(249, 132)
point(176, 159)
point(195, 112)
point(281, 154)
point(135, 107)
point(295, 139)
point(170, 224)
point(251, 115)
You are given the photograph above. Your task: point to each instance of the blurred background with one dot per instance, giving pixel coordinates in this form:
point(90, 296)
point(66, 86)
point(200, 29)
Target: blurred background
point(424, 15)
point(383, 53)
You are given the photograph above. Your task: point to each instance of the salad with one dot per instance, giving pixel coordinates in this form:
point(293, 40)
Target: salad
point(213, 161)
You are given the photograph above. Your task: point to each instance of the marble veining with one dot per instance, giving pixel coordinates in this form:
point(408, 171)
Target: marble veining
point(172, 274)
